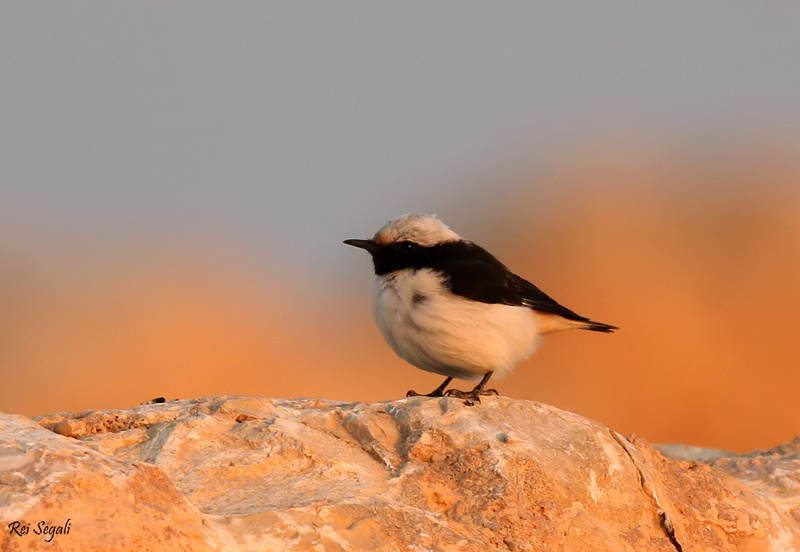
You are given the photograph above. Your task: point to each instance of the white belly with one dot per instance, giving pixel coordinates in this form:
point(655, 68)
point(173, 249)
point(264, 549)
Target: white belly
point(447, 334)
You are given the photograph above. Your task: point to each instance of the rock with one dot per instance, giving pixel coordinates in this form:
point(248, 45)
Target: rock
point(774, 474)
point(100, 501)
point(239, 473)
point(690, 453)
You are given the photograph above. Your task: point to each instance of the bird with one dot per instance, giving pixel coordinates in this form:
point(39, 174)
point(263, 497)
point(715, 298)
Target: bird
point(446, 305)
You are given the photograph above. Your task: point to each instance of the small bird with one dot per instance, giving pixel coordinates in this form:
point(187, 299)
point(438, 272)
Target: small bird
point(448, 306)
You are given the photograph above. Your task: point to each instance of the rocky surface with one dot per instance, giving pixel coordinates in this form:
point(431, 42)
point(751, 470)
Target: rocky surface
point(239, 473)
point(774, 474)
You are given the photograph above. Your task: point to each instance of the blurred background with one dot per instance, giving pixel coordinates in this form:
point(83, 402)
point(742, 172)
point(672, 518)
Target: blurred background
point(176, 180)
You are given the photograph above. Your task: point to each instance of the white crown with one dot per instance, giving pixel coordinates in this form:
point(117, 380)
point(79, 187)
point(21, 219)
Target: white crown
point(421, 229)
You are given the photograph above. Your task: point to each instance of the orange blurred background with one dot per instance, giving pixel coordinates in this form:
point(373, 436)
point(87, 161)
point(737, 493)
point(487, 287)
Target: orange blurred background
point(695, 257)
point(175, 186)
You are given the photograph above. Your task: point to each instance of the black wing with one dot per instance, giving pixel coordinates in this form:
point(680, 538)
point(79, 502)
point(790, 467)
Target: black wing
point(476, 274)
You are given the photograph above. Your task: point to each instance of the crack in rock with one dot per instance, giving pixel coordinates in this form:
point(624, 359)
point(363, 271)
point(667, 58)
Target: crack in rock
point(649, 487)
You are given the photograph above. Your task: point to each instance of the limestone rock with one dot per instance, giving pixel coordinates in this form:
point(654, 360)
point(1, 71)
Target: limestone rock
point(690, 453)
point(104, 502)
point(239, 473)
point(774, 474)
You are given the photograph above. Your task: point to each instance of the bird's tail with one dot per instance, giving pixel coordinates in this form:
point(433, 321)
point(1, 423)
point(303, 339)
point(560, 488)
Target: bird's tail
point(598, 326)
point(549, 323)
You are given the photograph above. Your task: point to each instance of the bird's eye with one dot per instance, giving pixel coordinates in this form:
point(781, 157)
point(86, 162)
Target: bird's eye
point(406, 246)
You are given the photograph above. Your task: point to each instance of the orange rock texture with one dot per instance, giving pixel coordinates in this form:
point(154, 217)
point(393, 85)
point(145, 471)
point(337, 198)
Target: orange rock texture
point(243, 473)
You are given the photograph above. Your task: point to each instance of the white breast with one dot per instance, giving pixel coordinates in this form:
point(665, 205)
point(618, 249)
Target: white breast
point(448, 334)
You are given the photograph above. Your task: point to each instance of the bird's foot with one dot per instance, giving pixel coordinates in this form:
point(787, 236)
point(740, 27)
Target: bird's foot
point(470, 397)
point(438, 392)
point(435, 393)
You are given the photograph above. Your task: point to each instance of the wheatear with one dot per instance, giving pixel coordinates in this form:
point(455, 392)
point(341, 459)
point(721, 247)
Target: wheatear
point(448, 306)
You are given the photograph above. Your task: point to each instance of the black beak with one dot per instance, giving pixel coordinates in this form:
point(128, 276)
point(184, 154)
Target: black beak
point(369, 245)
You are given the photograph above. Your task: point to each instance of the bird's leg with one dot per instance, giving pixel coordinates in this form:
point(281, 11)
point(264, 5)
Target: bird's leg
point(438, 392)
point(475, 394)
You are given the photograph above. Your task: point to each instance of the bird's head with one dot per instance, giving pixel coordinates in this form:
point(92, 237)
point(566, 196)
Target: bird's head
point(400, 242)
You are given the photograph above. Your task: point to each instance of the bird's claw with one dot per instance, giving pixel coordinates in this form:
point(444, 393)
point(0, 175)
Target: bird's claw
point(413, 393)
point(470, 397)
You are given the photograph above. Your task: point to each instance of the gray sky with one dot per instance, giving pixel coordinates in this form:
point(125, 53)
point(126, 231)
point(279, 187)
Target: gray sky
point(282, 128)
